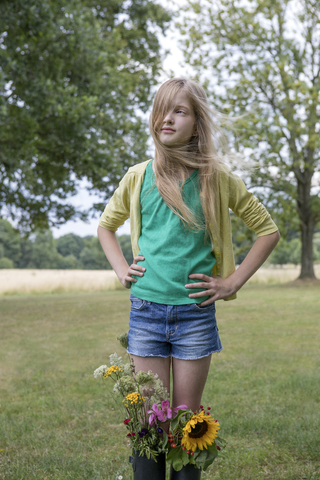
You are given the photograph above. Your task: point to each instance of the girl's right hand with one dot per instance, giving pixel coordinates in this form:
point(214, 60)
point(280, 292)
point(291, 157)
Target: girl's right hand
point(134, 269)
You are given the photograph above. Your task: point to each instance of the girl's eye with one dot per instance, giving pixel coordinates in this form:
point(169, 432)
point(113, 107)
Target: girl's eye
point(180, 111)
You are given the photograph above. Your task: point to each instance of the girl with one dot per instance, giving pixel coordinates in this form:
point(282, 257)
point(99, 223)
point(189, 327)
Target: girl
point(179, 204)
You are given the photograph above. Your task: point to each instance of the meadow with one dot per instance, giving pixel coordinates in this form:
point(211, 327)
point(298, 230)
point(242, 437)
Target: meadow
point(17, 281)
point(58, 422)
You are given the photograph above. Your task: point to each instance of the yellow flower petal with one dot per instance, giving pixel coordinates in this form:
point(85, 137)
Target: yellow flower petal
point(199, 432)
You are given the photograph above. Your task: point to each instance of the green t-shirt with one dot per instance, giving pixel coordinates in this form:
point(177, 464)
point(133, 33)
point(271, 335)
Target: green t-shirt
point(172, 252)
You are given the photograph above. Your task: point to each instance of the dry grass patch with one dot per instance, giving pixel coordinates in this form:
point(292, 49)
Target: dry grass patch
point(69, 281)
point(279, 274)
point(53, 281)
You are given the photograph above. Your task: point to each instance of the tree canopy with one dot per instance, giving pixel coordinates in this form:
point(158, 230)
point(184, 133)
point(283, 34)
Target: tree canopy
point(262, 59)
point(75, 80)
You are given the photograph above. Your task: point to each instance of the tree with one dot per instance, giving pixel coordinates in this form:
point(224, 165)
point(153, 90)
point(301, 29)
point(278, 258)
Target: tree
point(261, 58)
point(125, 244)
point(44, 254)
point(286, 252)
point(70, 244)
point(242, 239)
point(10, 244)
point(92, 256)
point(75, 79)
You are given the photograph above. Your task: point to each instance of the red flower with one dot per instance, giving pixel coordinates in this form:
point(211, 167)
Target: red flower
point(127, 420)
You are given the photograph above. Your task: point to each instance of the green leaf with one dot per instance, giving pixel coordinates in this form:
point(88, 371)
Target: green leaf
point(177, 418)
point(174, 458)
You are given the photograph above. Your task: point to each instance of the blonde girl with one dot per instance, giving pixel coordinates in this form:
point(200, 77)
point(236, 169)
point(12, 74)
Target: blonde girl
point(178, 204)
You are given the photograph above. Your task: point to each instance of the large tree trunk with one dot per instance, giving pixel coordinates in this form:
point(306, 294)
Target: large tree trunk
point(307, 225)
point(307, 231)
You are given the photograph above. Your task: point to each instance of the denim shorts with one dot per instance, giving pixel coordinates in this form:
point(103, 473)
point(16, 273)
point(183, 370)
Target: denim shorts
point(187, 331)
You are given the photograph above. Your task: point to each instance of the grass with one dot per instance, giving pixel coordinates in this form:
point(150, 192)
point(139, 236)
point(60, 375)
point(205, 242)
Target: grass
point(57, 421)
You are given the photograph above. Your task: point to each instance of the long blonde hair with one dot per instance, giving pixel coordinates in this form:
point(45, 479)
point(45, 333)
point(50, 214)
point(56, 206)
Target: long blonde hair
point(204, 152)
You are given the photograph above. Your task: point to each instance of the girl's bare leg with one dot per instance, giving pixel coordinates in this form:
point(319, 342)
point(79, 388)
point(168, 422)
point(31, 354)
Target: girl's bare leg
point(189, 379)
point(158, 365)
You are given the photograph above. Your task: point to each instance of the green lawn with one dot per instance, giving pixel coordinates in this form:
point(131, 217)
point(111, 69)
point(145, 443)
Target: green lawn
point(57, 421)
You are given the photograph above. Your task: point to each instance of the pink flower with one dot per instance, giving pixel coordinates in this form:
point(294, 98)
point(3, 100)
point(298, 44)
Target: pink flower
point(160, 414)
point(175, 410)
point(153, 414)
point(165, 411)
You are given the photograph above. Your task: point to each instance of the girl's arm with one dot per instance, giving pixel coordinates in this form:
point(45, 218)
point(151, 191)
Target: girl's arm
point(113, 252)
point(219, 288)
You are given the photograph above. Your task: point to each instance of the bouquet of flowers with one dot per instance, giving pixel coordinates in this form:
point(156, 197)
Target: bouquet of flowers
point(192, 438)
point(139, 391)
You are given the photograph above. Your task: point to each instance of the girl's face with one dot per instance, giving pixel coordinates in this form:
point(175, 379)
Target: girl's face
point(179, 123)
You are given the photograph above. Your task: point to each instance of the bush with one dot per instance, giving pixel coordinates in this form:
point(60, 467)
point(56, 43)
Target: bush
point(70, 262)
point(6, 263)
point(286, 252)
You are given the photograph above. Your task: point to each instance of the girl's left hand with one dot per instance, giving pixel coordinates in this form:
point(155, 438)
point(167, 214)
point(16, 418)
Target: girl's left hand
point(215, 287)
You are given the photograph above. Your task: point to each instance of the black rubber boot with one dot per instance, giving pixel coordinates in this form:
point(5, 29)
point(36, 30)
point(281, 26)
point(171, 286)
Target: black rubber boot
point(188, 472)
point(147, 469)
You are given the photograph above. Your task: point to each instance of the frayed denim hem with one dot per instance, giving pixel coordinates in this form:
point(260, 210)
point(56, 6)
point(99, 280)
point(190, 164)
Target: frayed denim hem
point(175, 356)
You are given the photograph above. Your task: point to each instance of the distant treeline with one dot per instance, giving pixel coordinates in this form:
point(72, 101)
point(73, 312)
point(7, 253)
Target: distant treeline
point(41, 250)
point(70, 251)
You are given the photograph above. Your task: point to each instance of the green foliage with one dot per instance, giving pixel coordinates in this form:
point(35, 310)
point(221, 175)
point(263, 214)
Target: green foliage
point(125, 244)
point(41, 250)
point(44, 253)
point(242, 239)
point(10, 244)
point(254, 64)
point(92, 256)
point(70, 244)
point(6, 263)
point(286, 252)
point(75, 80)
point(316, 247)
point(70, 262)
point(290, 252)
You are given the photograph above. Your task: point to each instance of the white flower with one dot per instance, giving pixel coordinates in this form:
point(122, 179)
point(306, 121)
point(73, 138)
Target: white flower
point(120, 477)
point(127, 370)
point(100, 371)
point(116, 360)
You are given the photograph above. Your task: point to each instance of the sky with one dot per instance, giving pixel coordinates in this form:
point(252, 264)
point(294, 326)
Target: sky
point(173, 62)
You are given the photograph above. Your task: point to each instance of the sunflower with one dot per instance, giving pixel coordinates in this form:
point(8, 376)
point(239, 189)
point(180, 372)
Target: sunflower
point(199, 432)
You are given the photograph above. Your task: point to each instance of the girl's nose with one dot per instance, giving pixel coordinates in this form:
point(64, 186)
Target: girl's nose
point(168, 118)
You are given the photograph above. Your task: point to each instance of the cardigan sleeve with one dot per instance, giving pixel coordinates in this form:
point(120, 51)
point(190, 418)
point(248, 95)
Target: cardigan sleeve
point(117, 210)
point(246, 206)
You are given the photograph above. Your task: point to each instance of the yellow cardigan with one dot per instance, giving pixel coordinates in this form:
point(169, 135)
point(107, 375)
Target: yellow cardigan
point(231, 193)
